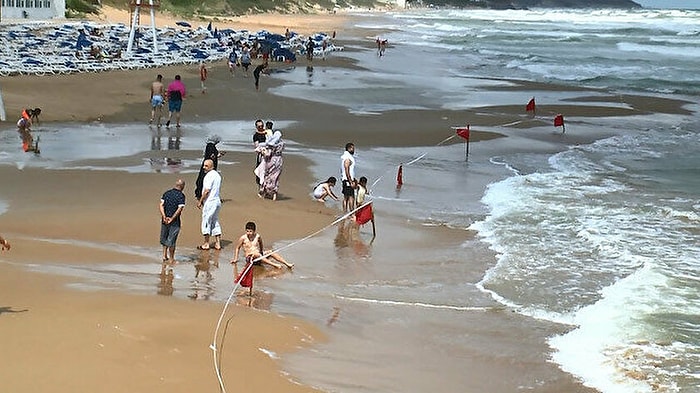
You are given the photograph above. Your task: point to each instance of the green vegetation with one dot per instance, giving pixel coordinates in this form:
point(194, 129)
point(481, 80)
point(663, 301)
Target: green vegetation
point(79, 8)
point(194, 8)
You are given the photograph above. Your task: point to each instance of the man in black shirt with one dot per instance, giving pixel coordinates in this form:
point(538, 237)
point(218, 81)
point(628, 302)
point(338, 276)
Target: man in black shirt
point(171, 204)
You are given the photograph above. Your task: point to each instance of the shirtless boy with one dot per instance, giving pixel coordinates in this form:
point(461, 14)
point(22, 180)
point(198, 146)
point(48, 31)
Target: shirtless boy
point(252, 245)
point(157, 93)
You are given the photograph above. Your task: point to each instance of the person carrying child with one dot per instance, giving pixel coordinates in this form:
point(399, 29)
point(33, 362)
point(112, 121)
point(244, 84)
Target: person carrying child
point(252, 245)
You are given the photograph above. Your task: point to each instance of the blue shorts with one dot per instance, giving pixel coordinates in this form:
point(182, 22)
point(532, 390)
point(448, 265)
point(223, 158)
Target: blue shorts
point(174, 105)
point(156, 101)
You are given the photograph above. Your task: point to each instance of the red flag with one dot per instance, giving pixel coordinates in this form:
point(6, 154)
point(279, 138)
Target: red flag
point(559, 120)
point(247, 279)
point(463, 132)
point(530, 107)
point(365, 214)
point(399, 176)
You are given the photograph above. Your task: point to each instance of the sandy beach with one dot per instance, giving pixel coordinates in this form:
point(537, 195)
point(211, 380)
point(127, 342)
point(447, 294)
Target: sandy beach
point(58, 335)
point(60, 339)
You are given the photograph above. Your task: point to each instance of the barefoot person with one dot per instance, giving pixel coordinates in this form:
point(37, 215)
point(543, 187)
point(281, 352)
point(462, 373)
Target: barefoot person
point(157, 92)
point(203, 76)
point(252, 245)
point(171, 204)
point(365, 213)
point(4, 243)
point(274, 146)
point(347, 175)
point(256, 74)
point(210, 203)
point(24, 128)
point(176, 93)
point(325, 189)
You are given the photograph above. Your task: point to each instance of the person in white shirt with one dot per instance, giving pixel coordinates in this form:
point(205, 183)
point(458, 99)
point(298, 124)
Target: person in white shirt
point(347, 175)
point(210, 203)
point(325, 189)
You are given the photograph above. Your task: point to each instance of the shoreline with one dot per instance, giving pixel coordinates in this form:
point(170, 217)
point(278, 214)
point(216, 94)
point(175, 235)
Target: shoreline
point(123, 99)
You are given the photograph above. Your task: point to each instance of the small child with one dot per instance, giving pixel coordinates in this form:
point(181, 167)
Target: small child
point(4, 243)
point(203, 75)
point(365, 214)
point(252, 245)
point(323, 190)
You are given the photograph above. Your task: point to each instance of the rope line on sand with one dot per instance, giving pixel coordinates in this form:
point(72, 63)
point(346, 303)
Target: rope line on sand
point(213, 346)
point(414, 160)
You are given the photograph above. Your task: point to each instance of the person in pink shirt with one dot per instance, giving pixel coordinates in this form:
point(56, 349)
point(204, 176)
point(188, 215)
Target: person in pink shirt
point(176, 93)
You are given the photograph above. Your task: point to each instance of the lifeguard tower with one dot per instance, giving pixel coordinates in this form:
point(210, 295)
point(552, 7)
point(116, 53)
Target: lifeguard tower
point(135, 18)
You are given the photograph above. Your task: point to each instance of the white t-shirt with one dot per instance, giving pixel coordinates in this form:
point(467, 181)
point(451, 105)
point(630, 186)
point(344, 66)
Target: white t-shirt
point(318, 191)
point(347, 156)
point(212, 182)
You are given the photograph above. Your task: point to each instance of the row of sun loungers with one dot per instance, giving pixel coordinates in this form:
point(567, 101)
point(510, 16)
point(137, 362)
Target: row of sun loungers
point(45, 49)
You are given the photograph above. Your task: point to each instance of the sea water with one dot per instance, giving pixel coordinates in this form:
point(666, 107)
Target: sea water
point(601, 237)
point(605, 238)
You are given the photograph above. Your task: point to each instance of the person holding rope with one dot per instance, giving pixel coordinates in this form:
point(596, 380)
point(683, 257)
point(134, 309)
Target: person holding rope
point(364, 214)
point(347, 175)
point(252, 245)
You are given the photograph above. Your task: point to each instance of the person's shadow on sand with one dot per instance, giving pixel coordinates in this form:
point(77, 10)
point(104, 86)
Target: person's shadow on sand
point(8, 309)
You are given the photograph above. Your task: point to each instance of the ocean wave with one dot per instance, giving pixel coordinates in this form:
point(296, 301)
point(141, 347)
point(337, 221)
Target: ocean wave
point(681, 52)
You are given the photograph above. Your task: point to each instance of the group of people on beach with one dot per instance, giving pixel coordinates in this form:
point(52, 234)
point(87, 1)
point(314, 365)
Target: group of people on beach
point(268, 145)
point(354, 191)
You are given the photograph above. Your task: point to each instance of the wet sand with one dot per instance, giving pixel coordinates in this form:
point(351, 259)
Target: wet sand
point(58, 335)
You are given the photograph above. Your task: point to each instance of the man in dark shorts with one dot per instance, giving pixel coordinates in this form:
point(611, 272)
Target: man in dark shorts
point(347, 174)
point(171, 204)
point(176, 93)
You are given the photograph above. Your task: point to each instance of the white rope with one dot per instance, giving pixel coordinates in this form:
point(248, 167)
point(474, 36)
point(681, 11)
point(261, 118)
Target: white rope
point(249, 266)
point(413, 161)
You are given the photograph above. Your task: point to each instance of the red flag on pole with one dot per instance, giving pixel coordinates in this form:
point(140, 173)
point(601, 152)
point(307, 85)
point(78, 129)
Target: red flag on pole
point(247, 279)
point(365, 214)
point(559, 120)
point(530, 107)
point(463, 132)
